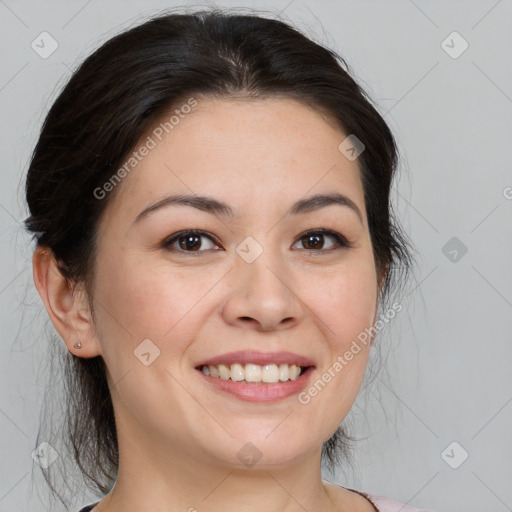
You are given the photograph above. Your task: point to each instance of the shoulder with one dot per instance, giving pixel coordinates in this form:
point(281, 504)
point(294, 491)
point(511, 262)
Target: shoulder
point(385, 504)
point(371, 502)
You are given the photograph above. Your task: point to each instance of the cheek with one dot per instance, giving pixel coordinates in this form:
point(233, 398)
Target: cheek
point(345, 304)
point(155, 302)
point(345, 301)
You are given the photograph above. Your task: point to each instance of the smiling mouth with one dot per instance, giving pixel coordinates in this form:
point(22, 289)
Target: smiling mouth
point(253, 373)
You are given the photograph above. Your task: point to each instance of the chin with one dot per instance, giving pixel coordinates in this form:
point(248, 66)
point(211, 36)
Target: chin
point(260, 453)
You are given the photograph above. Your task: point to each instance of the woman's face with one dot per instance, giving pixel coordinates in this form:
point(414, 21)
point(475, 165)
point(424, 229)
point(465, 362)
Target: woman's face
point(254, 281)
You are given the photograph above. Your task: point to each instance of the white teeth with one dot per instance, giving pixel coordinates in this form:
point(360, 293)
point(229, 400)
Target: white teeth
point(269, 373)
point(224, 372)
point(252, 373)
point(284, 372)
point(294, 371)
point(237, 372)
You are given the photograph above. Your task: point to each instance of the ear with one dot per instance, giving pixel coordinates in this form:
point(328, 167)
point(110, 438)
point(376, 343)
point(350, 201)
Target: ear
point(68, 310)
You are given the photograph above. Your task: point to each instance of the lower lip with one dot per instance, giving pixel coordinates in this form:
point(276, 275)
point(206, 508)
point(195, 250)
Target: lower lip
point(259, 392)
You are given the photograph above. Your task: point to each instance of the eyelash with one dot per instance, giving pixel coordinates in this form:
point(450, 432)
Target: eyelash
point(342, 242)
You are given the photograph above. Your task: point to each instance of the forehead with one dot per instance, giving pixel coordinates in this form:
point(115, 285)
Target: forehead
point(262, 154)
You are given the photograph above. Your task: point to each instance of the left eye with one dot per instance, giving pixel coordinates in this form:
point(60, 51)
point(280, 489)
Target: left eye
point(314, 240)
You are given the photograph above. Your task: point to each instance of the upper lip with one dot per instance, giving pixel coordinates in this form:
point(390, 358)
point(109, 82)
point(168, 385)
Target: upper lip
point(256, 357)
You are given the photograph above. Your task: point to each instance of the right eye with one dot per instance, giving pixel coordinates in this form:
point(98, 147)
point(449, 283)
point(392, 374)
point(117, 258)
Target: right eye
point(190, 240)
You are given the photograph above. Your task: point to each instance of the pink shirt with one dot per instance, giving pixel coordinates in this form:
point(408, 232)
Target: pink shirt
point(383, 504)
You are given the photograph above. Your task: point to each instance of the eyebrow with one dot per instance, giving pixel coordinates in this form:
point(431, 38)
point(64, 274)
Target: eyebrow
point(215, 207)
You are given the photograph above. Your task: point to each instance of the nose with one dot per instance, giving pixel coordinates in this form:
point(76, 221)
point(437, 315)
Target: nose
point(262, 297)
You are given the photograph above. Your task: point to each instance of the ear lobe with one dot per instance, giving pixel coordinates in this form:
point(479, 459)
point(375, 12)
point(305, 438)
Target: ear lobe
point(68, 309)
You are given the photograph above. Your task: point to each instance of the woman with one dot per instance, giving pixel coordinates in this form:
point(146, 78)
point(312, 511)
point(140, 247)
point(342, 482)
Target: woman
point(210, 197)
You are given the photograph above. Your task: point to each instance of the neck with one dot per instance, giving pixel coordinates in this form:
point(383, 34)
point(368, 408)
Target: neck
point(169, 480)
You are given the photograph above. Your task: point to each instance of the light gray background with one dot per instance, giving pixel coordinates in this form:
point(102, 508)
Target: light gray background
point(450, 352)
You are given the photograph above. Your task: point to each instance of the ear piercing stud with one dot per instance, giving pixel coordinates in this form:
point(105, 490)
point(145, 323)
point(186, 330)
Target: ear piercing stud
point(78, 345)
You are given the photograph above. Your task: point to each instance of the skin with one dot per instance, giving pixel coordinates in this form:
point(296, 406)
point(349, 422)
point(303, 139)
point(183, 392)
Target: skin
point(179, 437)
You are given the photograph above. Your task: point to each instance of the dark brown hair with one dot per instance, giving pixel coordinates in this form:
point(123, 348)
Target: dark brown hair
point(114, 99)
